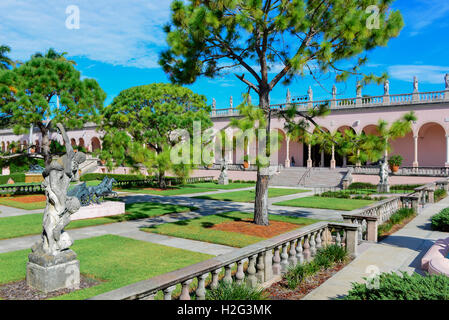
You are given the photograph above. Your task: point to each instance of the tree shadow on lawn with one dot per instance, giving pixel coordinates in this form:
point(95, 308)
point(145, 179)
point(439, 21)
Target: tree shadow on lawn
point(142, 210)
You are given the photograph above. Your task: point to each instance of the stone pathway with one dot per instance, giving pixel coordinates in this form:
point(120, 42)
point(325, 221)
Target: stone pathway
point(12, 212)
point(401, 251)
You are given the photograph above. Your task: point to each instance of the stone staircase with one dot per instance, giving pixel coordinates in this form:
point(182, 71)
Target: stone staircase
point(88, 166)
point(313, 177)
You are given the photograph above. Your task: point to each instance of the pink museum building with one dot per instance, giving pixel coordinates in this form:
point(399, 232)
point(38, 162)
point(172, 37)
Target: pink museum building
point(426, 146)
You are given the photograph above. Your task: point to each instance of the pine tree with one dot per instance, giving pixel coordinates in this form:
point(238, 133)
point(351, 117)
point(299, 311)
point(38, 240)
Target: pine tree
point(302, 37)
point(28, 93)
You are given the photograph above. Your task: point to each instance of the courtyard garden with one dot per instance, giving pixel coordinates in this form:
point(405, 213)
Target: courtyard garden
point(29, 224)
point(108, 262)
point(234, 229)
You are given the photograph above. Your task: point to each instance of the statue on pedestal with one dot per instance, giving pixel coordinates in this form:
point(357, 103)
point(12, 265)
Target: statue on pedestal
point(223, 178)
point(51, 258)
point(384, 185)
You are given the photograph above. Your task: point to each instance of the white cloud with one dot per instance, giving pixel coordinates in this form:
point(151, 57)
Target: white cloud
point(425, 73)
point(425, 13)
point(127, 33)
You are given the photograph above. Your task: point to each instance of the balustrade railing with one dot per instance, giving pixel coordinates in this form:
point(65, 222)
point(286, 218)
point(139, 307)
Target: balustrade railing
point(255, 264)
point(347, 103)
point(405, 171)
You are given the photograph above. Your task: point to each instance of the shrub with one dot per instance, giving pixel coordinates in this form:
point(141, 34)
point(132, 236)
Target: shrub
point(393, 286)
point(395, 218)
point(395, 160)
point(440, 221)
point(439, 194)
point(405, 186)
point(17, 177)
point(235, 291)
point(361, 185)
point(324, 259)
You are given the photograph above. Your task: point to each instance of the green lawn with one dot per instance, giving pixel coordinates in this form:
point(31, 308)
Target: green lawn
point(189, 188)
point(326, 203)
point(19, 226)
point(200, 228)
point(115, 260)
point(249, 195)
point(10, 202)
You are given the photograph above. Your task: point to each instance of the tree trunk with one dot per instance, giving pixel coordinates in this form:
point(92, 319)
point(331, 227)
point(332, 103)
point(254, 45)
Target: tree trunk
point(261, 201)
point(161, 178)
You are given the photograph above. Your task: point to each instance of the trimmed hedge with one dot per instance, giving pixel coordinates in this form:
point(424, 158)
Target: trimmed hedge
point(118, 177)
point(440, 221)
point(361, 185)
point(392, 286)
point(17, 177)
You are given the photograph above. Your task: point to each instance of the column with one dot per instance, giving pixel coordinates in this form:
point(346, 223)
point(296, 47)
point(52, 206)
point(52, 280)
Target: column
point(447, 152)
point(333, 165)
point(309, 160)
point(345, 161)
point(415, 143)
point(322, 159)
point(287, 153)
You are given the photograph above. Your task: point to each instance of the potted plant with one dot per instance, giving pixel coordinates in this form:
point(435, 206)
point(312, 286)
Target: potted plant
point(395, 162)
point(245, 162)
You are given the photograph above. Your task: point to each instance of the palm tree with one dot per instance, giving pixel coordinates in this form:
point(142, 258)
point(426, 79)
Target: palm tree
point(52, 54)
point(5, 61)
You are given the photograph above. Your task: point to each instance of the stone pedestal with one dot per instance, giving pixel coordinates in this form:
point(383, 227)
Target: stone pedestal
point(49, 273)
point(383, 188)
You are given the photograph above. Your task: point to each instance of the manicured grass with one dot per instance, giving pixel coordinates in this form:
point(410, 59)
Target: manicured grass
point(19, 226)
point(189, 188)
point(326, 203)
point(200, 228)
point(10, 202)
point(249, 195)
point(115, 260)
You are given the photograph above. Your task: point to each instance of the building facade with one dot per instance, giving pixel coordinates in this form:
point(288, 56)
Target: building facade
point(427, 145)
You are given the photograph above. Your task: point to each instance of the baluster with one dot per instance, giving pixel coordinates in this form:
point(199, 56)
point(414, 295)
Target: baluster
point(276, 262)
point(292, 254)
point(299, 255)
point(360, 233)
point(201, 290)
point(185, 294)
point(228, 273)
point(260, 267)
point(239, 274)
point(343, 238)
point(307, 254)
point(167, 292)
point(338, 238)
point(312, 244)
point(318, 240)
point(251, 279)
point(284, 258)
point(214, 283)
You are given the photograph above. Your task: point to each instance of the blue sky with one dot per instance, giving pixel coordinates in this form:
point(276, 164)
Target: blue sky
point(118, 43)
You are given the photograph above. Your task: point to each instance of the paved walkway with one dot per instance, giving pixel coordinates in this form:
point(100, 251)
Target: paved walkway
point(12, 212)
point(401, 251)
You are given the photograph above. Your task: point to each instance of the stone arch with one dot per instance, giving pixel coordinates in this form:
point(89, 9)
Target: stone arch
point(432, 145)
point(81, 142)
point(370, 129)
point(73, 142)
point(96, 144)
point(318, 158)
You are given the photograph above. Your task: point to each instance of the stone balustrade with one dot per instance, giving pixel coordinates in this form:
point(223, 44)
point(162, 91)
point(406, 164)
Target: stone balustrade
point(22, 189)
point(351, 103)
point(405, 171)
point(368, 218)
point(257, 264)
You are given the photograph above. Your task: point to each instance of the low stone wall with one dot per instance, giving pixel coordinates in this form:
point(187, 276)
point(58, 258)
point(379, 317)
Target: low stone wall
point(374, 179)
point(266, 260)
point(232, 175)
